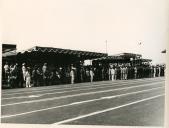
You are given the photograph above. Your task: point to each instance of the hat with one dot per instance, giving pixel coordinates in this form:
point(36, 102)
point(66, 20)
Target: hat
point(23, 63)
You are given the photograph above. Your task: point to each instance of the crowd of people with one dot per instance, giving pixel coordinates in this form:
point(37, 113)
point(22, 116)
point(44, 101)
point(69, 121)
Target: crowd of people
point(134, 72)
point(16, 76)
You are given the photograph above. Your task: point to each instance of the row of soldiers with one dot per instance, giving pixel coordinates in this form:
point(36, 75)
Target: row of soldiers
point(129, 72)
point(25, 76)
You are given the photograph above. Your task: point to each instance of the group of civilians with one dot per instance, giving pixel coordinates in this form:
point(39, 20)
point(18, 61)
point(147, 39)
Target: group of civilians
point(25, 76)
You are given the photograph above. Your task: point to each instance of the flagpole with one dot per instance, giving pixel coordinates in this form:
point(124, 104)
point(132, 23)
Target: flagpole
point(106, 47)
point(139, 44)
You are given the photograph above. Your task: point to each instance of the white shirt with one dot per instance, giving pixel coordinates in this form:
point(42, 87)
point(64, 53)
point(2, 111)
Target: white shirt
point(112, 71)
point(44, 68)
point(6, 67)
point(91, 73)
point(23, 69)
point(72, 73)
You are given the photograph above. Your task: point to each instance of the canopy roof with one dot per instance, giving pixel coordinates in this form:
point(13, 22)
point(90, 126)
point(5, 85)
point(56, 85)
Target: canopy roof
point(9, 54)
point(8, 47)
point(110, 58)
point(144, 60)
point(122, 57)
point(56, 55)
point(129, 55)
point(78, 53)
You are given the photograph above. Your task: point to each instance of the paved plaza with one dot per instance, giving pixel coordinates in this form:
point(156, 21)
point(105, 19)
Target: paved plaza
point(138, 102)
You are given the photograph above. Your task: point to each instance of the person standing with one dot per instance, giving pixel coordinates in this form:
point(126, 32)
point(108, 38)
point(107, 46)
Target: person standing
point(72, 74)
point(28, 78)
point(35, 76)
point(44, 68)
point(151, 71)
point(6, 70)
point(87, 74)
point(110, 75)
point(115, 73)
point(40, 76)
point(121, 72)
point(91, 74)
point(23, 73)
point(135, 72)
point(57, 76)
point(19, 79)
point(45, 74)
point(112, 72)
point(82, 74)
point(154, 72)
point(125, 73)
point(159, 71)
point(13, 76)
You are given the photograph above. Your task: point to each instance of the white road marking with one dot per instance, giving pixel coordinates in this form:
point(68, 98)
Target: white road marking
point(81, 102)
point(70, 87)
point(106, 110)
point(32, 96)
point(47, 90)
point(83, 88)
point(80, 94)
point(62, 86)
point(91, 88)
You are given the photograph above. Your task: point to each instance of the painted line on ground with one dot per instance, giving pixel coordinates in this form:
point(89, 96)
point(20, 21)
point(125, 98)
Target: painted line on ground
point(106, 110)
point(89, 88)
point(69, 86)
point(47, 90)
point(80, 94)
point(81, 102)
point(82, 88)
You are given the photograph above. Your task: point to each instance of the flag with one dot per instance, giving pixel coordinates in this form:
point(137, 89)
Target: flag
point(164, 51)
point(139, 43)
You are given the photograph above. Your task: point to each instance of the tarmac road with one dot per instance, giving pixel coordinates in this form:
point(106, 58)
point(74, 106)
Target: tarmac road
point(137, 102)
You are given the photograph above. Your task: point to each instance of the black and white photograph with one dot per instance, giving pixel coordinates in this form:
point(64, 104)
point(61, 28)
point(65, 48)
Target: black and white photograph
point(84, 62)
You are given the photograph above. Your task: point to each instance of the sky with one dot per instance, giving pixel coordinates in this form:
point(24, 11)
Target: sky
point(87, 24)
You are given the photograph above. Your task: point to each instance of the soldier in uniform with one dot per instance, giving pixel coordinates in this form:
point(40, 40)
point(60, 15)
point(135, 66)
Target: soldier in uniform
point(121, 73)
point(115, 73)
point(154, 71)
point(23, 73)
point(125, 73)
point(135, 72)
point(112, 72)
point(159, 71)
point(72, 74)
point(91, 74)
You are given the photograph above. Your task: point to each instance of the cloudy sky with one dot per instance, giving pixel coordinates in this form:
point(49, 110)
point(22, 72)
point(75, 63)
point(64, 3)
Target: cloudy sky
point(87, 24)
